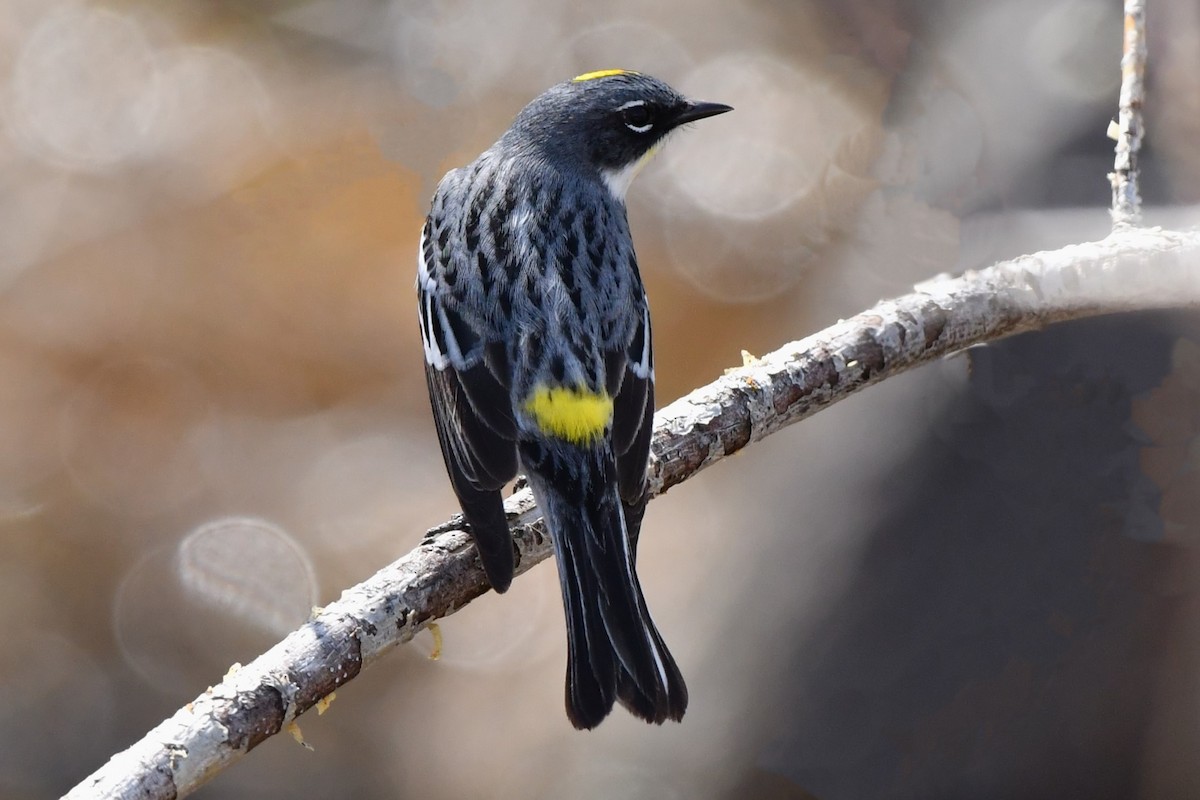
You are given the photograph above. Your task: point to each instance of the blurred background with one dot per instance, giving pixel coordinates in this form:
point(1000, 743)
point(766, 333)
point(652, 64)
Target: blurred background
point(976, 580)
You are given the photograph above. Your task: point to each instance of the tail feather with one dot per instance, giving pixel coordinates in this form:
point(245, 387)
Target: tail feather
point(661, 705)
point(614, 651)
point(591, 672)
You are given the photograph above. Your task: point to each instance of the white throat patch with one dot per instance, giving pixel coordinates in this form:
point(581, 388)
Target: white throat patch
point(618, 180)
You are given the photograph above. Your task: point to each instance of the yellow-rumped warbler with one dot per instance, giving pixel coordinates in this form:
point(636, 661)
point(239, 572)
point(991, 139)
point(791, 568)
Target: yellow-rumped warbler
point(537, 355)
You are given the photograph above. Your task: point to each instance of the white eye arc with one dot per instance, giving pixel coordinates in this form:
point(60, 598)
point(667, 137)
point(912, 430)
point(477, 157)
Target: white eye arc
point(636, 128)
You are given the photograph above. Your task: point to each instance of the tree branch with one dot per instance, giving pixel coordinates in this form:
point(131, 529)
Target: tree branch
point(1130, 270)
point(1126, 201)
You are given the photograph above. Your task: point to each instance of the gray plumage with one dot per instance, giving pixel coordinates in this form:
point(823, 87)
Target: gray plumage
point(538, 358)
point(517, 247)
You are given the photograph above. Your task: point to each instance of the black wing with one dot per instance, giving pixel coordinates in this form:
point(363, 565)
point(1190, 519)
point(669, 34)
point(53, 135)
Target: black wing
point(633, 422)
point(472, 410)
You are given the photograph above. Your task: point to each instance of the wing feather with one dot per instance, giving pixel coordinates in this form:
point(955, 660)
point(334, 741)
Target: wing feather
point(472, 411)
point(633, 423)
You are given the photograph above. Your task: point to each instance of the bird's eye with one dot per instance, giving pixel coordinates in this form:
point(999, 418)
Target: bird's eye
point(637, 117)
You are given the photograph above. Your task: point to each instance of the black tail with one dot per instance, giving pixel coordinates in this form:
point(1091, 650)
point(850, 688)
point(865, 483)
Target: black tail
point(614, 652)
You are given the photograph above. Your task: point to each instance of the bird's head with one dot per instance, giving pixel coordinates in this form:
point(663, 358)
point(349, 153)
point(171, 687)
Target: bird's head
point(606, 123)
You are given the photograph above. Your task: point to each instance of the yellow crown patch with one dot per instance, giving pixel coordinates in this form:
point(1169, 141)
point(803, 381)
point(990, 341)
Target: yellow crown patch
point(576, 415)
point(602, 73)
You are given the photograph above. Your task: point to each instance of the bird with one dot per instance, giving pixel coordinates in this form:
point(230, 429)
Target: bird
point(537, 345)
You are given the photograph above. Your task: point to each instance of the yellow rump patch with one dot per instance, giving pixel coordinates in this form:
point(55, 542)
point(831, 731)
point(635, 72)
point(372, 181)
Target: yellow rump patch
point(602, 73)
point(577, 415)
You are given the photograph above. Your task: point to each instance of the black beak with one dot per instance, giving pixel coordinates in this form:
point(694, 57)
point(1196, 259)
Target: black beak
point(694, 111)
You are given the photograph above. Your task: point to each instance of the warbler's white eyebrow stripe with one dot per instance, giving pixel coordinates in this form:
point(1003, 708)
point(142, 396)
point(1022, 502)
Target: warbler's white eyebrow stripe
point(632, 104)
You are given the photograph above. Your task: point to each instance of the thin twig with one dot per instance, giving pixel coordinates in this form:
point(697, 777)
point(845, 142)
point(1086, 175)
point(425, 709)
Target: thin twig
point(1132, 269)
point(1126, 201)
